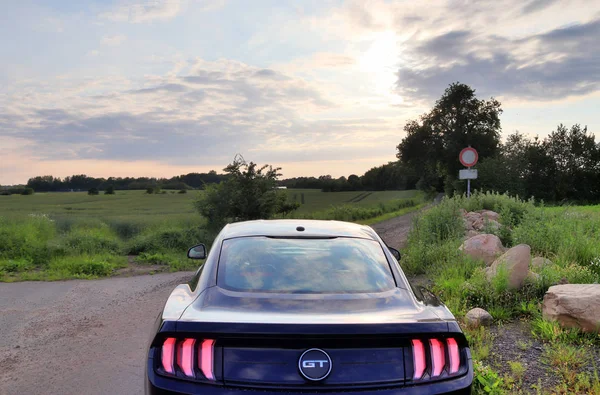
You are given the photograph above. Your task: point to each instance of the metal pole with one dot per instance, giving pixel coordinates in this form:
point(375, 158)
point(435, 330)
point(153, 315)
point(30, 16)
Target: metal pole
point(469, 187)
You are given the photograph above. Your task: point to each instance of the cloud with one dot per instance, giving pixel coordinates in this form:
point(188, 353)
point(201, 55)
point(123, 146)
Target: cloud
point(545, 66)
point(113, 40)
point(144, 11)
point(537, 5)
point(202, 118)
point(141, 11)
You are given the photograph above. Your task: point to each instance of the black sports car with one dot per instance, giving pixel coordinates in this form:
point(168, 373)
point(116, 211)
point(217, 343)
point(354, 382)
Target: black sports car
point(297, 307)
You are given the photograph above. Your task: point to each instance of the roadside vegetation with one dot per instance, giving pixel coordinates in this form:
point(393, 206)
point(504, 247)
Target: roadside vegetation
point(568, 236)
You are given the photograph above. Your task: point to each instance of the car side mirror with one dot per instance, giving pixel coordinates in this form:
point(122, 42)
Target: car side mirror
point(197, 252)
point(395, 253)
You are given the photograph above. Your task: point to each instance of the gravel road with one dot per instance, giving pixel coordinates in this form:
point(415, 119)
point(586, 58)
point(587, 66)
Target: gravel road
point(79, 337)
point(90, 337)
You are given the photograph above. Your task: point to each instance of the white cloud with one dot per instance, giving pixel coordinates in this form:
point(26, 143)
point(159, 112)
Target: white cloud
point(141, 11)
point(144, 11)
point(113, 40)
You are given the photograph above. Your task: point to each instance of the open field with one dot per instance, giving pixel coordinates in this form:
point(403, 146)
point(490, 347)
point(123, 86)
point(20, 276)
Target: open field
point(52, 236)
point(130, 204)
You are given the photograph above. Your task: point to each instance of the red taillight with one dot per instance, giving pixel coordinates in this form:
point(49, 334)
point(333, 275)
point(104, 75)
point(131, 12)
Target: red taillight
point(454, 355)
point(185, 357)
point(182, 355)
point(168, 355)
point(205, 359)
point(437, 357)
point(418, 358)
point(430, 359)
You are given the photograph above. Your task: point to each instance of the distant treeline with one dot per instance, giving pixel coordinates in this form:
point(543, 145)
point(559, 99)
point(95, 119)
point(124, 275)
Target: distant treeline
point(83, 182)
point(390, 176)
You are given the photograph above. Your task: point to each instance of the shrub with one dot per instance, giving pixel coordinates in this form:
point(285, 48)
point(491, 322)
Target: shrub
point(15, 265)
point(85, 266)
point(126, 228)
point(93, 191)
point(92, 240)
point(27, 238)
point(27, 191)
point(182, 191)
point(109, 190)
point(167, 239)
point(248, 193)
point(150, 190)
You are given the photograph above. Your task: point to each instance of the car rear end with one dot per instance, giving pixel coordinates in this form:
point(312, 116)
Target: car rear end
point(225, 358)
point(306, 310)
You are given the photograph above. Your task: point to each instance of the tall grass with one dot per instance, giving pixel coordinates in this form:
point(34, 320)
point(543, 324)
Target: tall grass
point(352, 213)
point(570, 239)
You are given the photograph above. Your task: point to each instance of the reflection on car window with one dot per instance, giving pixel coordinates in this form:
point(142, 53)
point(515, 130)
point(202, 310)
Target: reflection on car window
point(338, 265)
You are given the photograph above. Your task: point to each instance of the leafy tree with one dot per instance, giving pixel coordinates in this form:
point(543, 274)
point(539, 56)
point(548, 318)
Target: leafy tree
point(577, 160)
point(93, 191)
point(457, 120)
point(110, 190)
point(248, 193)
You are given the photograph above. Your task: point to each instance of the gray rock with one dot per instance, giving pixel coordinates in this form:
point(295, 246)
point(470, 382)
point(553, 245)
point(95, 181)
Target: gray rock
point(486, 247)
point(478, 317)
point(574, 306)
point(516, 262)
point(539, 262)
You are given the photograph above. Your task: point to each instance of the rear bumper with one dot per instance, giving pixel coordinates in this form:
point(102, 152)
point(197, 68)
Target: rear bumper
point(158, 385)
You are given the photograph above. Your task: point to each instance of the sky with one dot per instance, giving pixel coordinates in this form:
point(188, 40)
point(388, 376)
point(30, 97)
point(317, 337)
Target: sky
point(167, 87)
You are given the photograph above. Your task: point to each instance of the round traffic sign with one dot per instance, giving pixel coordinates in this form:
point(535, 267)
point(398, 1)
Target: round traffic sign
point(468, 157)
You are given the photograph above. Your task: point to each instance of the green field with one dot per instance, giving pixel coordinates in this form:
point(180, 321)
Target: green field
point(315, 200)
point(138, 204)
point(49, 236)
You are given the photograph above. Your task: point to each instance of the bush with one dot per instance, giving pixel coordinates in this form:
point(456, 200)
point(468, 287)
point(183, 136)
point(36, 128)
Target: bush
point(27, 239)
point(150, 190)
point(109, 190)
point(92, 240)
point(248, 193)
point(93, 191)
point(85, 266)
point(182, 191)
point(27, 191)
point(167, 239)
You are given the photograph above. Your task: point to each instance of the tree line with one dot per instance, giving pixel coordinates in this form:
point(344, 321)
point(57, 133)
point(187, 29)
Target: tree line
point(83, 182)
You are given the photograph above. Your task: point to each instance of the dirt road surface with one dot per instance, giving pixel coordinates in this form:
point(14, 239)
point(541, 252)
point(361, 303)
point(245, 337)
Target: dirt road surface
point(90, 337)
point(79, 337)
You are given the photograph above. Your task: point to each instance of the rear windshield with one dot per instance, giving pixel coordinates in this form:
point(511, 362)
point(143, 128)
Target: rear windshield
point(338, 265)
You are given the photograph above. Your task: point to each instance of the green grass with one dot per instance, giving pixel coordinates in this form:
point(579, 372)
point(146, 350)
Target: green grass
point(569, 236)
point(51, 236)
point(315, 200)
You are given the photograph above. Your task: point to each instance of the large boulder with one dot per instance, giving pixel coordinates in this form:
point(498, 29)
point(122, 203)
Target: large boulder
point(539, 262)
point(485, 247)
point(478, 317)
point(574, 306)
point(516, 262)
point(473, 220)
point(489, 215)
point(492, 224)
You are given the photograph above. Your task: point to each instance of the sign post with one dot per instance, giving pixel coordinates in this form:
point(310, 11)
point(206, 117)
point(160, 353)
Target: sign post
point(468, 157)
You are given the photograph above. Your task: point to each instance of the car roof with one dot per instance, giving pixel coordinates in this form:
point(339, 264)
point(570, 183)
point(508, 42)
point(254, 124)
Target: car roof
point(288, 228)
